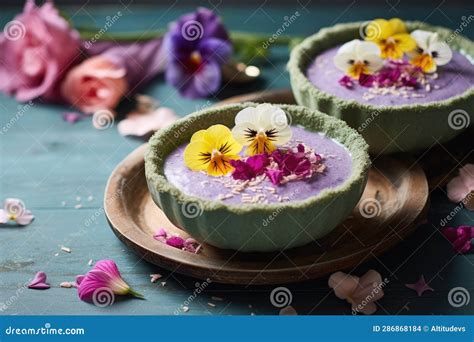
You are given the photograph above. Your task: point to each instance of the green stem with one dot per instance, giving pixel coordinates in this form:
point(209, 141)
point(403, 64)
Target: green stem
point(237, 37)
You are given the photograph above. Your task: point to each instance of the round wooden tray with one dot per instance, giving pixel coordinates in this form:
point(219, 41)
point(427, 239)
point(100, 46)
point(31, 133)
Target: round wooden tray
point(391, 207)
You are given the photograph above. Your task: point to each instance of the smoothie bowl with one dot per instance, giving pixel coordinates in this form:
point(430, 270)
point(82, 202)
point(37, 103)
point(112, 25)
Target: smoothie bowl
point(252, 177)
point(403, 86)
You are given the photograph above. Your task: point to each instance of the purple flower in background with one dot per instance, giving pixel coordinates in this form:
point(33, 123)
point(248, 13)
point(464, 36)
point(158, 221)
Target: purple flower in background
point(197, 45)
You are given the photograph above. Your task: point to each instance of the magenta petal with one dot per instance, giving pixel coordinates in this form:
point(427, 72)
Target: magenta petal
point(72, 117)
point(39, 282)
point(109, 267)
point(79, 279)
point(275, 176)
point(366, 80)
point(175, 241)
point(93, 281)
point(346, 81)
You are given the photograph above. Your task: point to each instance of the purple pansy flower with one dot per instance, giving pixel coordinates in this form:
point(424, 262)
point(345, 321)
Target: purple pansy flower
point(197, 45)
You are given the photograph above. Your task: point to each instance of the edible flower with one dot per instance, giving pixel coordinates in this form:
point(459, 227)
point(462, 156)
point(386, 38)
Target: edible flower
point(430, 51)
point(261, 128)
point(14, 210)
point(356, 58)
point(39, 282)
point(461, 188)
point(296, 163)
point(197, 45)
point(391, 36)
point(361, 292)
point(211, 150)
point(176, 241)
point(251, 167)
point(102, 283)
point(461, 238)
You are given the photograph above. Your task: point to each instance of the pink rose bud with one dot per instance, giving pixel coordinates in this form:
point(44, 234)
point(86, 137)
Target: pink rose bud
point(95, 84)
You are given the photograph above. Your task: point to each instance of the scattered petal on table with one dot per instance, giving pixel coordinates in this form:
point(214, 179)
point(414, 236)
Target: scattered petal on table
point(39, 282)
point(72, 117)
point(14, 210)
point(420, 286)
point(288, 311)
point(142, 125)
point(461, 238)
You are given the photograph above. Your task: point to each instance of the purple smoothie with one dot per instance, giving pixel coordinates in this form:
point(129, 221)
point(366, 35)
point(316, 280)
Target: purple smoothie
point(452, 79)
point(337, 160)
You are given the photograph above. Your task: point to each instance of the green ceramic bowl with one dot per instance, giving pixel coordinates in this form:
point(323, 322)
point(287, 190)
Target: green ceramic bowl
point(386, 129)
point(247, 227)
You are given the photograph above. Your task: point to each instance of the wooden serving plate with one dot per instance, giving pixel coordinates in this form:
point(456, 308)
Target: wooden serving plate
point(394, 201)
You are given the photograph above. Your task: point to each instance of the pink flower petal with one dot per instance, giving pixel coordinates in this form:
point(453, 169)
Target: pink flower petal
point(25, 219)
point(343, 284)
point(467, 175)
point(142, 125)
point(457, 190)
point(175, 241)
point(3, 216)
point(39, 282)
point(288, 311)
point(72, 117)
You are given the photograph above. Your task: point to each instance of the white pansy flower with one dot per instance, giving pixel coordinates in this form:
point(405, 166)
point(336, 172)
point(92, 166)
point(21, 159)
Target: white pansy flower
point(358, 57)
point(430, 52)
point(261, 128)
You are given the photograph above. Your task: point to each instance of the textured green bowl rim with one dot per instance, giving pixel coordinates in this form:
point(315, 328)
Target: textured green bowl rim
point(163, 142)
point(304, 53)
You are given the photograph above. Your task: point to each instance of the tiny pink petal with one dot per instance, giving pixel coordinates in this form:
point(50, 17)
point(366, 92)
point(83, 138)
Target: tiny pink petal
point(142, 125)
point(39, 282)
point(175, 241)
point(3, 216)
point(72, 117)
point(25, 219)
point(367, 309)
point(288, 311)
point(457, 190)
point(344, 285)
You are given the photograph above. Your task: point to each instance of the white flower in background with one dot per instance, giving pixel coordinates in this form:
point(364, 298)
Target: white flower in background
point(430, 51)
point(358, 57)
point(261, 128)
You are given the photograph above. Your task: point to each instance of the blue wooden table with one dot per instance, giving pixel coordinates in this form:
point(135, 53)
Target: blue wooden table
point(56, 167)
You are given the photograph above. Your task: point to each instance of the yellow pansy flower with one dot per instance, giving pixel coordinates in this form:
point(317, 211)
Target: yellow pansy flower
point(261, 128)
point(211, 150)
point(391, 36)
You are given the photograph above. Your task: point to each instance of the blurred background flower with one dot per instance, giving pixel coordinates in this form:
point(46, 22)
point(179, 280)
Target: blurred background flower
point(198, 45)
